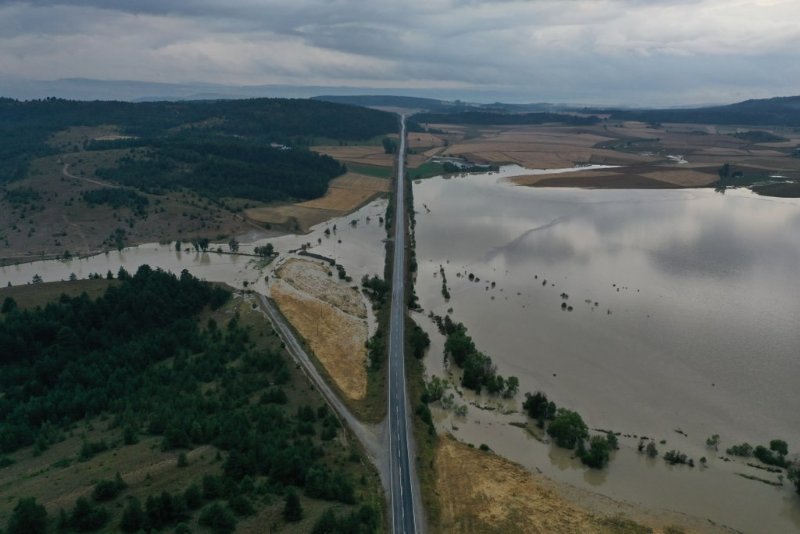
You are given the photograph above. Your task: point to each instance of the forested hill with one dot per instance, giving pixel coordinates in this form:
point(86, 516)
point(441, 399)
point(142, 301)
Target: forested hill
point(133, 379)
point(236, 128)
point(779, 111)
point(494, 118)
point(279, 118)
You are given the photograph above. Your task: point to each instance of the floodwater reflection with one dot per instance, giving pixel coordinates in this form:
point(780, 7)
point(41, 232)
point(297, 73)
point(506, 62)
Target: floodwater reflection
point(685, 313)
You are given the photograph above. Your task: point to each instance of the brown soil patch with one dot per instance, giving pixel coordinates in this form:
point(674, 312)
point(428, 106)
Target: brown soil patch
point(634, 177)
point(336, 338)
point(484, 492)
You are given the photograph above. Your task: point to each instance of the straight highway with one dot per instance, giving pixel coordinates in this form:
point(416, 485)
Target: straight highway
point(404, 502)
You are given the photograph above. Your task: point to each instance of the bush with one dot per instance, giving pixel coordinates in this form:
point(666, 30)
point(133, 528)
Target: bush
point(86, 517)
point(106, 490)
point(292, 509)
point(241, 506)
point(598, 454)
point(769, 458)
point(745, 450)
point(675, 457)
point(133, 517)
point(192, 497)
point(651, 449)
point(28, 517)
point(567, 428)
point(218, 518)
point(779, 446)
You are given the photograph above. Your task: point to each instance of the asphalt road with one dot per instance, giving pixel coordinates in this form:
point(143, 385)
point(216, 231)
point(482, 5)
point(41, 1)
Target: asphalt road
point(405, 512)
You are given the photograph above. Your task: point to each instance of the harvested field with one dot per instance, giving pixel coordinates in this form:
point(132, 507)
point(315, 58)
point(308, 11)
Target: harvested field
point(484, 492)
point(345, 194)
point(349, 192)
point(424, 140)
point(336, 337)
point(363, 155)
point(290, 216)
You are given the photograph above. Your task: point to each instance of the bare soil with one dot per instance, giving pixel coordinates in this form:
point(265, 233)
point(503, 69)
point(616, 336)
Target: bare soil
point(629, 177)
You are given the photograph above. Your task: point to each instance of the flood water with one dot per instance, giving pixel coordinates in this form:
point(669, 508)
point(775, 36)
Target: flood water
point(686, 307)
point(357, 244)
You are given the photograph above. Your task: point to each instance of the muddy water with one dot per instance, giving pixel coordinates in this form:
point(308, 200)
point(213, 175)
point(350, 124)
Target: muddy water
point(356, 243)
point(685, 318)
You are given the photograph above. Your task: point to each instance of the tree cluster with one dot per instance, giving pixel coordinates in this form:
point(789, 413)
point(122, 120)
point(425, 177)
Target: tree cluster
point(479, 370)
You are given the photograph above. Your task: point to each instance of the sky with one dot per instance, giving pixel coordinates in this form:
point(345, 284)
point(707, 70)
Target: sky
point(611, 52)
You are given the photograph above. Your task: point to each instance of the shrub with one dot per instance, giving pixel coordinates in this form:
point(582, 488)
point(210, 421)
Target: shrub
point(292, 509)
point(598, 454)
point(218, 518)
point(745, 450)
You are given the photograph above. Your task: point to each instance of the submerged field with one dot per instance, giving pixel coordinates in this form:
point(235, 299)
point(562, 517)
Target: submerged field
point(660, 314)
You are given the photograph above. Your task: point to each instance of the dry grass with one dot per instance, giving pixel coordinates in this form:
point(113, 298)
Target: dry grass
point(362, 155)
point(336, 338)
point(482, 492)
point(345, 194)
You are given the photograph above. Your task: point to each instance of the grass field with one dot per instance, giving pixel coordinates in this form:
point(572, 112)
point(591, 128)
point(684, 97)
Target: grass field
point(32, 295)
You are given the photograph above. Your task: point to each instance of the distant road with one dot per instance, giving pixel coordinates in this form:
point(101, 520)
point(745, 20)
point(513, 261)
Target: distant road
point(406, 516)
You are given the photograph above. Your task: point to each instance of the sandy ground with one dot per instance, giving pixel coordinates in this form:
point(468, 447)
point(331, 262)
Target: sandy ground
point(331, 316)
point(345, 194)
point(483, 492)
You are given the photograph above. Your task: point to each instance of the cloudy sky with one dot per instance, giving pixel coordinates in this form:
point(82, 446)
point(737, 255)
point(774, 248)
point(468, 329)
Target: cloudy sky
point(636, 52)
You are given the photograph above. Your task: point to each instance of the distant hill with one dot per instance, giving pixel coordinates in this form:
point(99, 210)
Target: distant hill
point(495, 118)
point(435, 105)
point(387, 101)
point(779, 111)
